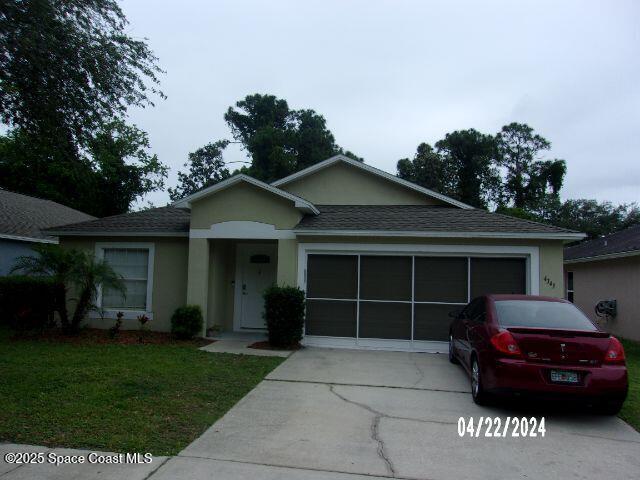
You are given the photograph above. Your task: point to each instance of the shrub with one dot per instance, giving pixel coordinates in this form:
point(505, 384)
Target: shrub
point(143, 330)
point(28, 303)
point(114, 331)
point(284, 314)
point(186, 322)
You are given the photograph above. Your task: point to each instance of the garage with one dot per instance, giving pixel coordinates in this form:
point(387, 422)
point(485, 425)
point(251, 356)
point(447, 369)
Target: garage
point(399, 301)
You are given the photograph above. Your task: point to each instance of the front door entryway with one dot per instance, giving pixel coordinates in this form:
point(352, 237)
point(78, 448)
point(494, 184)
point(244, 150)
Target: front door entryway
point(255, 271)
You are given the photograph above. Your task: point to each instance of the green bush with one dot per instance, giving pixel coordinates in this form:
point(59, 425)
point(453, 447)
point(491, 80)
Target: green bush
point(284, 314)
point(28, 303)
point(186, 322)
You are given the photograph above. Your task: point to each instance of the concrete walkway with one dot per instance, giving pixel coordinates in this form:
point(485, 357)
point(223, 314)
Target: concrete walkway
point(238, 343)
point(326, 414)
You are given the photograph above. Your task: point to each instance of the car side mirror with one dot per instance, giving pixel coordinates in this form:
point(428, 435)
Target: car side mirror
point(455, 313)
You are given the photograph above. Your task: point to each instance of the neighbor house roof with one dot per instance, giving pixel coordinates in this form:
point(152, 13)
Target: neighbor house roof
point(620, 244)
point(23, 217)
point(424, 221)
point(299, 202)
point(373, 170)
point(163, 221)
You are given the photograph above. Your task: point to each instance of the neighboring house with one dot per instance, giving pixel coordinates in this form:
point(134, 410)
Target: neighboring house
point(382, 260)
point(607, 268)
point(22, 219)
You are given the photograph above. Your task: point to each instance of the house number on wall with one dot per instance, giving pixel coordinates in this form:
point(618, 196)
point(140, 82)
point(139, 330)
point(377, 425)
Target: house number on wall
point(549, 282)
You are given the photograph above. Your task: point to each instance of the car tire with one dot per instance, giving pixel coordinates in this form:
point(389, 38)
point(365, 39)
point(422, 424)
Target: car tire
point(611, 407)
point(478, 393)
point(452, 356)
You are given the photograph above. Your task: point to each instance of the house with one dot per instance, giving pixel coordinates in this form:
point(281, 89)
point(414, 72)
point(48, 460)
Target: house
point(22, 219)
point(607, 268)
point(382, 260)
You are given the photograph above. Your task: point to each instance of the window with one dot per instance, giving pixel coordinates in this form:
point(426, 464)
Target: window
point(570, 286)
point(133, 263)
point(541, 314)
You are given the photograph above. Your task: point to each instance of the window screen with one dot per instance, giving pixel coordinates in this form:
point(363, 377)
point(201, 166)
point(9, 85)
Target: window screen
point(331, 318)
point(498, 275)
point(332, 276)
point(133, 265)
point(385, 278)
point(385, 320)
point(432, 321)
point(441, 279)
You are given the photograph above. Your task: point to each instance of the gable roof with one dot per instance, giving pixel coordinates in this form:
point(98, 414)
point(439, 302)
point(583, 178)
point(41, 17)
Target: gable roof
point(299, 202)
point(373, 170)
point(424, 221)
point(619, 244)
point(162, 221)
point(23, 217)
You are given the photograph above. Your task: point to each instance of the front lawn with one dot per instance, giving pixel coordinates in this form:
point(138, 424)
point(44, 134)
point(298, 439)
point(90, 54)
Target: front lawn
point(631, 409)
point(122, 398)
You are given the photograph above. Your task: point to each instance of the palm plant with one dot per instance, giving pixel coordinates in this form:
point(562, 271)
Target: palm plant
point(71, 268)
point(56, 262)
point(90, 274)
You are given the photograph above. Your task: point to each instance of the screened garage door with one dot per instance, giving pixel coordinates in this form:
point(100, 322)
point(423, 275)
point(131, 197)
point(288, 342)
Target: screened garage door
point(400, 297)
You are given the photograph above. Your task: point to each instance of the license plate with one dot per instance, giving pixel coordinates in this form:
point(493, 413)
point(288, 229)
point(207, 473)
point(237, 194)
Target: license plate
point(563, 376)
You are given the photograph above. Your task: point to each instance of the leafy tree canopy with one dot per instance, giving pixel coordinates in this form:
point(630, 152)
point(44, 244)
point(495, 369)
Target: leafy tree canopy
point(66, 66)
point(529, 182)
point(279, 140)
point(206, 167)
point(469, 155)
point(68, 72)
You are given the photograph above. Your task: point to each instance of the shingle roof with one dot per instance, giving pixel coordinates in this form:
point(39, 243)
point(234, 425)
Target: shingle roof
point(419, 218)
point(24, 216)
point(163, 220)
point(627, 240)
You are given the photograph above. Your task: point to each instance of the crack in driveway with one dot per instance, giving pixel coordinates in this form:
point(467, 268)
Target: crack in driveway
point(375, 429)
point(420, 371)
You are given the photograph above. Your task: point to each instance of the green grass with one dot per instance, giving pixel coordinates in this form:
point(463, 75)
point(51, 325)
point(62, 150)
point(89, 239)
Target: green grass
point(122, 398)
point(631, 409)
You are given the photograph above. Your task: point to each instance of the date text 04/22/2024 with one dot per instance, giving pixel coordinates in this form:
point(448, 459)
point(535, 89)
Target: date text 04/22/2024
point(496, 427)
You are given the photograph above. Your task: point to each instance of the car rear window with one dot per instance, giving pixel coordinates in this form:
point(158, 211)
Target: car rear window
point(541, 314)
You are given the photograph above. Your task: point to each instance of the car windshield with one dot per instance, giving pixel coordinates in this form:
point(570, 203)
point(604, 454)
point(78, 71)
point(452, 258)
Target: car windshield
point(541, 314)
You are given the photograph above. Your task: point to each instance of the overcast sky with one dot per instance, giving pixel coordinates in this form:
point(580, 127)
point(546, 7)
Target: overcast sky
point(388, 75)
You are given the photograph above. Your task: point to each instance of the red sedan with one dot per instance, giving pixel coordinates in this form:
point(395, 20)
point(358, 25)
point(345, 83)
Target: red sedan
point(537, 345)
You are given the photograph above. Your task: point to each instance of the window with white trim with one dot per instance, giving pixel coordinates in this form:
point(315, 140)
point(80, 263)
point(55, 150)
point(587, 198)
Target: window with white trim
point(133, 265)
point(570, 286)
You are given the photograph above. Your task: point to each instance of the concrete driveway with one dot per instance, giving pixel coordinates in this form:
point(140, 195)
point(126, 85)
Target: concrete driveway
point(344, 414)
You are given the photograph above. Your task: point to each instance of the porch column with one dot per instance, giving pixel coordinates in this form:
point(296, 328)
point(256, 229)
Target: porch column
point(198, 276)
point(287, 262)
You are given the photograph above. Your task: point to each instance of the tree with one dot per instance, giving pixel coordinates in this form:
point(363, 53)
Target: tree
point(115, 170)
point(206, 167)
point(76, 270)
point(124, 169)
point(469, 159)
point(594, 218)
point(528, 181)
point(52, 261)
point(429, 169)
point(66, 66)
point(279, 140)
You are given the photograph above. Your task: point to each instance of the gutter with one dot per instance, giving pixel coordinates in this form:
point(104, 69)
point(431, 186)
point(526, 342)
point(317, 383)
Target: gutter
point(440, 234)
point(608, 256)
point(62, 233)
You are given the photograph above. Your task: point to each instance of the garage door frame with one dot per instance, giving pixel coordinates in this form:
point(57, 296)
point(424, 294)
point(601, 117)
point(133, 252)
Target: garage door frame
point(530, 253)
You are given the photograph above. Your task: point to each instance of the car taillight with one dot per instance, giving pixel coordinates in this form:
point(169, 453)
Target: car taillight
point(505, 343)
point(615, 352)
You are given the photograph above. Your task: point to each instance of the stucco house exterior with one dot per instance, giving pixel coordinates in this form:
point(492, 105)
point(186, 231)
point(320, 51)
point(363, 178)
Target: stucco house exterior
point(22, 221)
point(607, 268)
point(382, 260)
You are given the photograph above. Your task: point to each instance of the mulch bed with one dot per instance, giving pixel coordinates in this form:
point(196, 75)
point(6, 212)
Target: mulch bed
point(93, 336)
point(266, 346)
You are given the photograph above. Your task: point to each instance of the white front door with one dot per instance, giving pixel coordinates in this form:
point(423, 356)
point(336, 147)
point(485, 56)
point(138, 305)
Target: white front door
point(255, 272)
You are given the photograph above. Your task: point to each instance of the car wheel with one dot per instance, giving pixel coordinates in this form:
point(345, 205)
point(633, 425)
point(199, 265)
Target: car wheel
point(452, 355)
point(480, 397)
point(611, 407)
